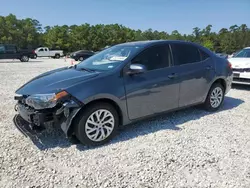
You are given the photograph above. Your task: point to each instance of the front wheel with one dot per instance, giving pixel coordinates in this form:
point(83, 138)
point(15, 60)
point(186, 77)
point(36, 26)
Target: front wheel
point(215, 97)
point(57, 56)
point(97, 124)
point(24, 58)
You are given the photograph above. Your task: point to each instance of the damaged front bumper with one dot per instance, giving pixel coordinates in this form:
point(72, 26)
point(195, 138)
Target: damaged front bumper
point(32, 121)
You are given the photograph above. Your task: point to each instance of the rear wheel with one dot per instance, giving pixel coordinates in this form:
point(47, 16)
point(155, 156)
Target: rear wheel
point(97, 124)
point(24, 58)
point(215, 97)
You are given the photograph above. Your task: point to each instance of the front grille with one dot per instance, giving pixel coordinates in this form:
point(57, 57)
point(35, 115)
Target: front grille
point(241, 70)
point(245, 80)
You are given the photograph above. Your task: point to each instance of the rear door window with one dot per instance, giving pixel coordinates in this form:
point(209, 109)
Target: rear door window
point(185, 54)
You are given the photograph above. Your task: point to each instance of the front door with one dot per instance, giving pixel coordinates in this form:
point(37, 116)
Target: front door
point(46, 52)
point(156, 90)
point(195, 71)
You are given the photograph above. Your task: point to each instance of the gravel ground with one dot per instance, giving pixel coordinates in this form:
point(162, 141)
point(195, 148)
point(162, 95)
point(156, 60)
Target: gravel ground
point(189, 148)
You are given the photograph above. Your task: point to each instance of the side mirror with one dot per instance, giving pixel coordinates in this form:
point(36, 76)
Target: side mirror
point(136, 69)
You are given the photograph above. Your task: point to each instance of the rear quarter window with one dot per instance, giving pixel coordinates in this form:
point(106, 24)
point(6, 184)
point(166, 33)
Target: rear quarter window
point(204, 55)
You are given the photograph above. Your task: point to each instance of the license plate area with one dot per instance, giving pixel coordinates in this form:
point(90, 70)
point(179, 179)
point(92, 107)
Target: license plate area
point(236, 75)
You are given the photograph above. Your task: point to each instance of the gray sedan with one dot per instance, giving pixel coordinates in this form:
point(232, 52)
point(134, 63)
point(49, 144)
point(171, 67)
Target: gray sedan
point(121, 85)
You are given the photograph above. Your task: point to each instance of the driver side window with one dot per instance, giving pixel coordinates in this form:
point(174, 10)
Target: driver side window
point(155, 57)
point(41, 50)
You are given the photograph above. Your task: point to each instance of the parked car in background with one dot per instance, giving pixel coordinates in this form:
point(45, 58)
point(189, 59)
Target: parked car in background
point(106, 47)
point(11, 51)
point(123, 84)
point(46, 52)
point(241, 66)
point(81, 55)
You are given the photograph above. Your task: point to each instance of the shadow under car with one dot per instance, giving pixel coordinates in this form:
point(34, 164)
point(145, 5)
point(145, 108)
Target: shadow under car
point(54, 136)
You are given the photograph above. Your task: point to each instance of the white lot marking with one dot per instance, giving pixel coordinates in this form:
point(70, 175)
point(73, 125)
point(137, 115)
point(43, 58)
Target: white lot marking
point(189, 148)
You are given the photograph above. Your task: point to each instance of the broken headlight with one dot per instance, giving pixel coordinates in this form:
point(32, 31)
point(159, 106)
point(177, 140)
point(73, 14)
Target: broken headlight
point(43, 101)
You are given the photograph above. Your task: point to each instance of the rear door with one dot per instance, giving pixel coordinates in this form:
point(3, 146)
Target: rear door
point(2, 51)
point(195, 71)
point(156, 90)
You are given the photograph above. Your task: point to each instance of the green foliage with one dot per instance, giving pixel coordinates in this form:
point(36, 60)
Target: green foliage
point(29, 33)
point(208, 44)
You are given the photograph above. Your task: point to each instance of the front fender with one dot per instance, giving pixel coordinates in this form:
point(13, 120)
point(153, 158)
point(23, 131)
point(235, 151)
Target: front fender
point(66, 126)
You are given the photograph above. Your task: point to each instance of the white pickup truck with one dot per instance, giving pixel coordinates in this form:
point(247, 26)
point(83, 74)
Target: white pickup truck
point(45, 52)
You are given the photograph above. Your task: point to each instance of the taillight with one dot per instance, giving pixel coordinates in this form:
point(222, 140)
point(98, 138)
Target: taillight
point(229, 64)
point(33, 51)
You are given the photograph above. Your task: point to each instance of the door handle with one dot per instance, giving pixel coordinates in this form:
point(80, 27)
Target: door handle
point(172, 76)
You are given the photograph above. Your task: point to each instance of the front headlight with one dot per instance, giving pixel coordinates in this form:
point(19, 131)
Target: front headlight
point(42, 101)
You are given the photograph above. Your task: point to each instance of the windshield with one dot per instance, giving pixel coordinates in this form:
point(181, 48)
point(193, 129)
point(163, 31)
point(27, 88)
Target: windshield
point(108, 59)
point(243, 53)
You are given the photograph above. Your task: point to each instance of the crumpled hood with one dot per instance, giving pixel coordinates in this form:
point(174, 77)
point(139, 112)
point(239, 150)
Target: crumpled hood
point(55, 81)
point(240, 62)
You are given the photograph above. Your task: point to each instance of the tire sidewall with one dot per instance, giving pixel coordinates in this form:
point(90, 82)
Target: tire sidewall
point(23, 60)
point(208, 103)
point(81, 123)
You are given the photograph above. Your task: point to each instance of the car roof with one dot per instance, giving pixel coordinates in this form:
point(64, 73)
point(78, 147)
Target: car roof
point(153, 42)
point(247, 48)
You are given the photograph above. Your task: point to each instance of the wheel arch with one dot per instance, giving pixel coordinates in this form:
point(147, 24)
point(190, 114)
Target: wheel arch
point(92, 102)
point(222, 81)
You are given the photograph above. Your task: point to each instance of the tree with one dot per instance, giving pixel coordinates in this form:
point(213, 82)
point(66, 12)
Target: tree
point(28, 33)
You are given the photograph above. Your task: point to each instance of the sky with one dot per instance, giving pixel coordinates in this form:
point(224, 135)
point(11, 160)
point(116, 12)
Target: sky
point(161, 15)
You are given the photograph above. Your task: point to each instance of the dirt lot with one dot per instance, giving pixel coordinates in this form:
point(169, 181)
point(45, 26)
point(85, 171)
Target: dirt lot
point(189, 148)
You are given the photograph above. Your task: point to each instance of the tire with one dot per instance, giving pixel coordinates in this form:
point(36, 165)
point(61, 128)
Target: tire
point(35, 56)
point(24, 58)
point(212, 102)
point(81, 59)
point(57, 56)
point(94, 137)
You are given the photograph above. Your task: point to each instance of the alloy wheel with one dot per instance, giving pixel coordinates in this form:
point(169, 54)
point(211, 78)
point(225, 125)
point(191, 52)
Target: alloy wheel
point(216, 97)
point(99, 125)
